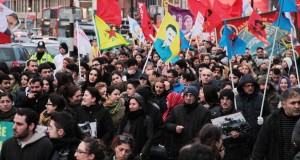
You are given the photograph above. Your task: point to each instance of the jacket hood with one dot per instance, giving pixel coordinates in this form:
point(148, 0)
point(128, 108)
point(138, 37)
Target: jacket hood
point(247, 78)
point(39, 133)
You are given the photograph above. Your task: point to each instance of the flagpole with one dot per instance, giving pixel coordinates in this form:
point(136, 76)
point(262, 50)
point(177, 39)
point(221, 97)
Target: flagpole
point(96, 33)
point(187, 51)
point(296, 66)
point(216, 36)
point(230, 67)
point(77, 33)
point(266, 82)
point(149, 52)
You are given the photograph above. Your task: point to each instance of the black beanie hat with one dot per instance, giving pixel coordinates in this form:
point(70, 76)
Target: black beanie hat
point(228, 93)
point(64, 46)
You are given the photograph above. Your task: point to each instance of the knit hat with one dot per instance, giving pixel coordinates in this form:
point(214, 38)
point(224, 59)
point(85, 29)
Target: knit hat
point(139, 99)
point(191, 89)
point(259, 62)
point(288, 61)
point(143, 76)
point(228, 93)
point(64, 46)
point(296, 134)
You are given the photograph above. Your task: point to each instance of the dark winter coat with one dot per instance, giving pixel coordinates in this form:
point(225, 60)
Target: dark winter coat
point(140, 127)
point(99, 114)
point(250, 106)
point(38, 105)
point(235, 148)
point(192, 119)
point(268, 145)
point(64, 148)
point(38, 147)
point(198, 84)
point(162, 101)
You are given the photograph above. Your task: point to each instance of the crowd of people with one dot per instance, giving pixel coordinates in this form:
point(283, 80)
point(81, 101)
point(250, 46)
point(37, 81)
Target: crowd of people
point(118, 106)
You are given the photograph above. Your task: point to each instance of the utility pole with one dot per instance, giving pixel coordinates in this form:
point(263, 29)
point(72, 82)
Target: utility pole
point(71, 28)
point(131, 8)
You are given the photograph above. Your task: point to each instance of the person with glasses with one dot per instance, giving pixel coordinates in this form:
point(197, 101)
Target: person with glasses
point(101, 64)
point(55, 103)
point(62, 132)
point(90, 149)
point(249, 102)
point(123, 146)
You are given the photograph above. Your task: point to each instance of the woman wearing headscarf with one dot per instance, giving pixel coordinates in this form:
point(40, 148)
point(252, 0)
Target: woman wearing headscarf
point(173, 99)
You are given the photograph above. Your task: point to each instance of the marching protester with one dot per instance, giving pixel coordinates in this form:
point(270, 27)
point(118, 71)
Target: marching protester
point(274, 139)
point(211, 93)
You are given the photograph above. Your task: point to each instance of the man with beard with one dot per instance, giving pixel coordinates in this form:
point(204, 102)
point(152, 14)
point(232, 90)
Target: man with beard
point(5, 83)
point(186, 120)
point(61, 131)
point(36, 99)
point(41, 55)
point(28, 142)
point(249, 102)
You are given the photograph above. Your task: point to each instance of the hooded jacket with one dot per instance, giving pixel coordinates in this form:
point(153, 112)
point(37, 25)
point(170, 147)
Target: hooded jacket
point(36, 147)
point(250, 106)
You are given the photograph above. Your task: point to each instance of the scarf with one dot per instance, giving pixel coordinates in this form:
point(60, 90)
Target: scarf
point(45, 118)
point(8, 115)
point(113, 107)
point(173, 100)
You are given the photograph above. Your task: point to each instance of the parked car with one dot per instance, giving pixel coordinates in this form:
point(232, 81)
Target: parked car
point(13, 55)
point(51, 48)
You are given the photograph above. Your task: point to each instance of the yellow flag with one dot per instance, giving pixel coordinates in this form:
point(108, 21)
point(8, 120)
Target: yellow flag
point(167, 41)
point(108, 37)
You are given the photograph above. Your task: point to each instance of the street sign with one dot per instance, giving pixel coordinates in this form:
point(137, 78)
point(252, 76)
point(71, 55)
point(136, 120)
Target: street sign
point(31, 16)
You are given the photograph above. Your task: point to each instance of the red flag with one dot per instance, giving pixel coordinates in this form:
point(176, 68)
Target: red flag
point(109, 11)
point(257, 28)
point(146, 23)
point(4, 38)
point(227, 11)
point(196, 6)
point(211, 18)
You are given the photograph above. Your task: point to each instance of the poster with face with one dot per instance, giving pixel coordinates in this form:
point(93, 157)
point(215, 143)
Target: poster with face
point(184, 18)
point(9, 21)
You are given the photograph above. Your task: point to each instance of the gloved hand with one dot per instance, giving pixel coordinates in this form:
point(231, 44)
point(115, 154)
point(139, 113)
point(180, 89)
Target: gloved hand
point(260, 120)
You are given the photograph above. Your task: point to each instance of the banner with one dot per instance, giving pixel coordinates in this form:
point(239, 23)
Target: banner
point(9, 23)
point(6, 131)
point(239, 26)
point(83, 42)
point(184, 18)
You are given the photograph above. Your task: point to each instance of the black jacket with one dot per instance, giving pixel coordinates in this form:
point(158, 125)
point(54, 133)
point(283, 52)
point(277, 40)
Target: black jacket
point(235, 148)
point(64, 148)
point(100, 115)
point(250, 106)
point(38, 105)
point(38, 147)
point(191, 119)
point(141, 128)
point(268, 145)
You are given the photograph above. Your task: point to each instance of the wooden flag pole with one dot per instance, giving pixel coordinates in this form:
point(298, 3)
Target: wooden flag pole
point(230, 67)
point(266, 83)
point(296, 66)
point(149, 53)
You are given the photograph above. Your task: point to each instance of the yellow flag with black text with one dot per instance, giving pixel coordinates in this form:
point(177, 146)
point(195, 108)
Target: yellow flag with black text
point(167, 41)
point(107, 37)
